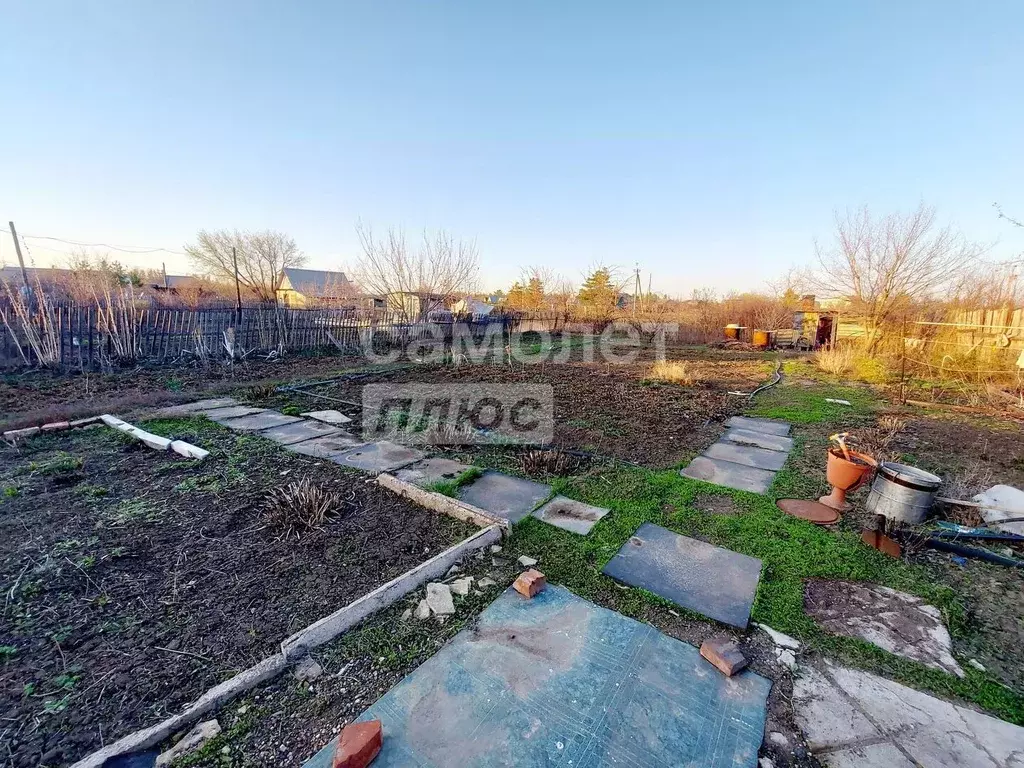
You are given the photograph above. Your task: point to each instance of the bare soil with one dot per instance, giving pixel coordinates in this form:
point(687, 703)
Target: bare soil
point(607, 409)
point(134, 581)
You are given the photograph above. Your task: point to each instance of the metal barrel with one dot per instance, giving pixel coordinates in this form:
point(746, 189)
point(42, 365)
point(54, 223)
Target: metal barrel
point(902, 492)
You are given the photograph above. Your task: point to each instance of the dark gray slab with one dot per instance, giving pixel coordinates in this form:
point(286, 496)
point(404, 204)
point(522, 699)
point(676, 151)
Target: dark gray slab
point(557, 681)
point(298, 431)
point(729, 474)
point(572, 515)
point(378, 457)
point(716, 582)
point(431, 470)
point(759, 439)
point(747, 455)
point(326, 447)
point(511, 498)
point(200, 406)
point(220, 415)
point(759, 425)
point(257, 421)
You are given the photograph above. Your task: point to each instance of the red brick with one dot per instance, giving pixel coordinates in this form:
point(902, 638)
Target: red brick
point(530, 583)
point(358, 744)
point(724, 653)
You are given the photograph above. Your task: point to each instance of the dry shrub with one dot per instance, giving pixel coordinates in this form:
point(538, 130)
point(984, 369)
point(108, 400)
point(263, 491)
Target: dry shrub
point(298, 507)
point(674, 371)
point(836, 360)
point(548, 462)
point(877, 441)
point(964, 484)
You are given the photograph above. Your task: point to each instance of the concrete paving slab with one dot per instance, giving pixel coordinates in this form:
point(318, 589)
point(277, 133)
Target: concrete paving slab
point(336, 418)
point(758, 439)
point(326, 447)
point(257, 421)
point(883, 755)
point(572, 515)
point(894, 621)
point(926, 730)
point(378, 457)
point(747, 455)
point(298, 431)
point(507, 497)
point(557, 680)
point(432, 470)
point(190, 409)
point(729, 474)
point(766, 426)
point(716, 582)
point(221, 415)
point(827, 718)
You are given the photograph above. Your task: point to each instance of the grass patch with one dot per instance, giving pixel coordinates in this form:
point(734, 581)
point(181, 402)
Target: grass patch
point(451, 487)
point(808, 405)
point(58, 464)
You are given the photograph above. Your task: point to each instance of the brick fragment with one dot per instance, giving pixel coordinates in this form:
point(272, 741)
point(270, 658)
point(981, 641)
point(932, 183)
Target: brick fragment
point(724, 653)
point(530, 583)
point(358, 744)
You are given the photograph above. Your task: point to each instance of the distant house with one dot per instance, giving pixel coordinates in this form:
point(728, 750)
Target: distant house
point(299, 288)
point(415, 305)
point(471, 306)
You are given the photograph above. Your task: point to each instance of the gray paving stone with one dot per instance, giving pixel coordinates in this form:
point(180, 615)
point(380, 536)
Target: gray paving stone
point(762, 458)
point(825, 716)
point(882, 755)
point(257, 421)
point(329, 417)
point(759, 439)
point(378, 457)
point(767, 426)
point(221, 415)
point(200, 406)
point(729, 474)
point(326, 447)
point(511, 498)
point(572, 515)
point(714, 581)
point(298, 431)
point(431, 470)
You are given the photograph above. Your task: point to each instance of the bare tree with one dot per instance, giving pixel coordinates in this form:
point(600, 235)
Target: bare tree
point(883, 265)
point(439, 270)
point(261, 258)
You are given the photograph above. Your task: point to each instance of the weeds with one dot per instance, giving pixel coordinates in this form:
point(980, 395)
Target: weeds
point(548, 462)
point(674, 372)
point(451, 487)
point(131, 511)
point(836, 360)
point(62, 463)
point(298, 507)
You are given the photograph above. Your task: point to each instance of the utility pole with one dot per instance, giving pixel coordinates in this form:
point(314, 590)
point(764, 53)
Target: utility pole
point(21, 259)
point(163, 266)
point(238, 290)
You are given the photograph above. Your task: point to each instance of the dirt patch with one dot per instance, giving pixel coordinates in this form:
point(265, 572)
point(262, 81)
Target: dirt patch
point(137, 581)
point(607, 409)
point(717, 505)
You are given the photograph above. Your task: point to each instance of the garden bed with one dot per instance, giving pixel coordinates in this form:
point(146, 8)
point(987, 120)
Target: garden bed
point(136, 580)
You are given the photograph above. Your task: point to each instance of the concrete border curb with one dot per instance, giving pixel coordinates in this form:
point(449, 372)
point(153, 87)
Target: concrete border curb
point(438, 502)
point(319, 632)
point(329, 627)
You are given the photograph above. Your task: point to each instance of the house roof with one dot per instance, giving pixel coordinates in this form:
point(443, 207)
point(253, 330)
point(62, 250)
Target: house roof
point(315, 282)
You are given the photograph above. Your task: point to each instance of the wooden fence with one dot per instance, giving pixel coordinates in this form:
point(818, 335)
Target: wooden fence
point(90, 338)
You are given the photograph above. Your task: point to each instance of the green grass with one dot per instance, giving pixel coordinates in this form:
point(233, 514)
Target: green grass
point(451, 487)
point(58, 464)
point(791, 550)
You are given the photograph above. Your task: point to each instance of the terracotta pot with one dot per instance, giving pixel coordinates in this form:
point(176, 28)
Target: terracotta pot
point(845, 475)
point(848, 475)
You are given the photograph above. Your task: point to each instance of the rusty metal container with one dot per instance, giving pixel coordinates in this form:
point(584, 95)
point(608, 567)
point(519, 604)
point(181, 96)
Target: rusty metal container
point(732, 331)
point(761, 338)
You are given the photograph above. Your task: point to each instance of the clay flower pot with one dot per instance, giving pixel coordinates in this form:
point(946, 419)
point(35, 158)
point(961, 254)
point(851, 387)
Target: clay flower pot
point(845, 475)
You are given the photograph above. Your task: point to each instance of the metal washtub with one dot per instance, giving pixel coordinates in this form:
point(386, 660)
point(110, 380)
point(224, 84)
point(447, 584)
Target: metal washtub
point(901, 492)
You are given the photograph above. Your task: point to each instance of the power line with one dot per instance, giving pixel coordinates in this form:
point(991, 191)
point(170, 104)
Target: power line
point(135, 249)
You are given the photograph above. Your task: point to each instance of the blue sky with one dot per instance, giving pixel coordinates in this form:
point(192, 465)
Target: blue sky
point(709, 142)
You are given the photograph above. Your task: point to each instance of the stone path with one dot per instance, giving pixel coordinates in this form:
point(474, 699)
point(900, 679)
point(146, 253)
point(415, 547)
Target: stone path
point(322, 436)
point(853, 719)
point(746, 457)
